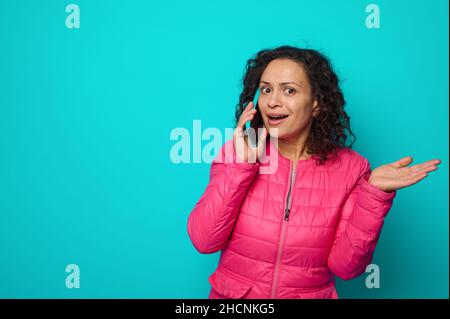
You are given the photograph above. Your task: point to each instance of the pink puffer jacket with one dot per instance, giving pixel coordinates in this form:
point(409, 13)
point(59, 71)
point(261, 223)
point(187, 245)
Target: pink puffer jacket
point(283, 237)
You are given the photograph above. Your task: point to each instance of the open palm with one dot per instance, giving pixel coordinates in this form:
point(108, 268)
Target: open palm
point(396, 175)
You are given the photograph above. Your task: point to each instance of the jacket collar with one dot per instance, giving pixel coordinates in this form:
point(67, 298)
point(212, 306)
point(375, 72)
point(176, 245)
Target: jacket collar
point(272, 151)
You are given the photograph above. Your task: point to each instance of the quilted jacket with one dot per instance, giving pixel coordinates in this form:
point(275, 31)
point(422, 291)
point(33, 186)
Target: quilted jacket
point(287, 234)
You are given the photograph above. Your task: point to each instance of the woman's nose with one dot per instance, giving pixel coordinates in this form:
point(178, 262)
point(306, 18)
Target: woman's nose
point(274, 99)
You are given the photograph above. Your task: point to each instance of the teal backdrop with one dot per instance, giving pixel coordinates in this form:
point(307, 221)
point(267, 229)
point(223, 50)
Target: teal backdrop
point(86, 114)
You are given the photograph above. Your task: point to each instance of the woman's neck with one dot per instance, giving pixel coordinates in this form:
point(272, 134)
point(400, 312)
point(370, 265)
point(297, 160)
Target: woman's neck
point(294, 148)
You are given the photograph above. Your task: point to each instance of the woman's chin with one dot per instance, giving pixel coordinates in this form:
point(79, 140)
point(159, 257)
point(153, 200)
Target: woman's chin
point(275, 132)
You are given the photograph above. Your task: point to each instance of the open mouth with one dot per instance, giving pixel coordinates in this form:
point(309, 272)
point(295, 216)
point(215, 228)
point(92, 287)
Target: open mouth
point(276, 119)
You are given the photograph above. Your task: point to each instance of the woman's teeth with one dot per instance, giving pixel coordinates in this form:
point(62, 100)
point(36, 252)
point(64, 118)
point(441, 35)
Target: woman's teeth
point(276, 119)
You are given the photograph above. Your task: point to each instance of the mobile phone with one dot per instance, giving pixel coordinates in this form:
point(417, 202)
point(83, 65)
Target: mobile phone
point(255, 101)
point(253, 138)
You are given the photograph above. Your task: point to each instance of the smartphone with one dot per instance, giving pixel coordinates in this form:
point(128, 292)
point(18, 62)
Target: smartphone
point(255, 101)
point(253, 139)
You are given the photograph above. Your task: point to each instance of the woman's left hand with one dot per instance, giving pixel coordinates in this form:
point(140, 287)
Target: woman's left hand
point(396, 175)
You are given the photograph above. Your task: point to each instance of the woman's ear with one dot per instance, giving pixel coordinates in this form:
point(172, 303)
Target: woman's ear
point(315, 109)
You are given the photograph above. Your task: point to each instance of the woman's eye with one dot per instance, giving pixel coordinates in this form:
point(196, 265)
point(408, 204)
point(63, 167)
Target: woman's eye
point(290, 90)
point(267, 90)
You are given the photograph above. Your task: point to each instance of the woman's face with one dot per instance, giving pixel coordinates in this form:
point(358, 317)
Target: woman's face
point(285, 99)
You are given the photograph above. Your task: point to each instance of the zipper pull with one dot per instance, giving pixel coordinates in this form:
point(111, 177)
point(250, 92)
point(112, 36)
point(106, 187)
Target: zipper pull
point(286, 214)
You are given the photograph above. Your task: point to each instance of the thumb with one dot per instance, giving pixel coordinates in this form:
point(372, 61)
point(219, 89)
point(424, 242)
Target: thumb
point(405, 161)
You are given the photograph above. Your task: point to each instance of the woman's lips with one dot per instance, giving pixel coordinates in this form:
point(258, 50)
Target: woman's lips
point(274, 122)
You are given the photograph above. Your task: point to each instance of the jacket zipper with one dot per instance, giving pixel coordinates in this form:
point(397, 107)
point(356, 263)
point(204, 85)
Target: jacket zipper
point(284, 224)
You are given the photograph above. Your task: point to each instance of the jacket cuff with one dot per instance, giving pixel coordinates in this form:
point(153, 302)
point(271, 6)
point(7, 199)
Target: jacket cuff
point(379, 194)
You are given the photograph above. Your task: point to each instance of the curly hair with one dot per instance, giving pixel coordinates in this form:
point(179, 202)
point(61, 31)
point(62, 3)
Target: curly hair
point(329, 128)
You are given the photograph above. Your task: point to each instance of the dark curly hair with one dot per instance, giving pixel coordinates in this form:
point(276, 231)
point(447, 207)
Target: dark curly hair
point(328, 133)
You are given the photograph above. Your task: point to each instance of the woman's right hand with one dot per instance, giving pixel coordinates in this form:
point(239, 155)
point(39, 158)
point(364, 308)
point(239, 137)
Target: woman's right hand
point(244, 150)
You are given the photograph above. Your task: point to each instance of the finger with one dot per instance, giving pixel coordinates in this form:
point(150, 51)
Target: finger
point(410, 180)
point(435, 161)
point(239, 130)
point(248, 107)
point(248, 118)
point(405, 161)
point(417, 168)
point(423, 167)
point(432, 162)
point(244, 119)
point(429, 168)
point(249, 112)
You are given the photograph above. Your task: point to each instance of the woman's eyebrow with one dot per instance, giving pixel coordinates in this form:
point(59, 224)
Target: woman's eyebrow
point(282, 83)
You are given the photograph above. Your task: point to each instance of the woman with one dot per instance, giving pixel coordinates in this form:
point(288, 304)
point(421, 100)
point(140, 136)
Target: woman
point(319, 214)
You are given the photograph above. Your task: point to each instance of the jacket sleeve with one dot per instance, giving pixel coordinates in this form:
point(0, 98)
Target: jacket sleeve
point(359, 227)
point(212, 219)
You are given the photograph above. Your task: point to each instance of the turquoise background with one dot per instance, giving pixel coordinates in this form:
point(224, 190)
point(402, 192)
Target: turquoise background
point(86, 115)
